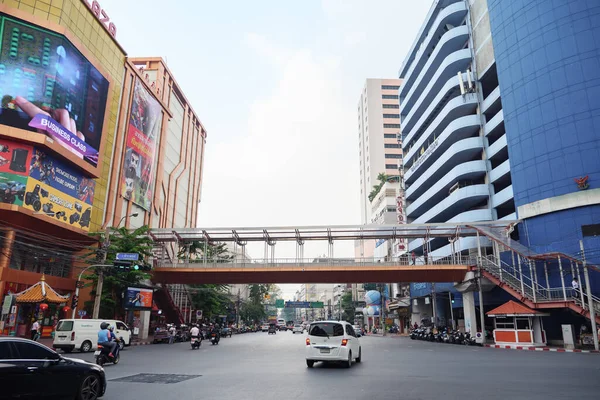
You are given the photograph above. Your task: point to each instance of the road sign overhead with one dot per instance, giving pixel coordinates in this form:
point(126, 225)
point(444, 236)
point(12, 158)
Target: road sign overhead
point(127, 257)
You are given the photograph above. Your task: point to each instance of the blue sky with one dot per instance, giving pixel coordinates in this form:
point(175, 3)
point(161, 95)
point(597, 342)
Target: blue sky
point(276, 84)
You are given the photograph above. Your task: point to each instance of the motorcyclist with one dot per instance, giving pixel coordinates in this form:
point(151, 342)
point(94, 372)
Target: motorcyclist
point(215, 329)
point(195, 331)
point(104, 337)
point(114, 339)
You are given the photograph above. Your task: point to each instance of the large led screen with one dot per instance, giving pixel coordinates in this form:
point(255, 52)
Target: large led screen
point(48, 86)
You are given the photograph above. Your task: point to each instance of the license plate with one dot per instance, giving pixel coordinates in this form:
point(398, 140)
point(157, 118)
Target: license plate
point(324, 350)
point(97, 353)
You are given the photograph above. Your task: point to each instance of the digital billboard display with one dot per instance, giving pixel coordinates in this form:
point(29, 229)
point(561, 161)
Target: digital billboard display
point(48, 86)
point(138, 298)
point(143, 130)
point(31, 178)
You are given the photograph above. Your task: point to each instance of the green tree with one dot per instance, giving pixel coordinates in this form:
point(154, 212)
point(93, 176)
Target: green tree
point(215, 252)
point(252, 313)
point(115, 284)
point(348, 308)
point(212, 299)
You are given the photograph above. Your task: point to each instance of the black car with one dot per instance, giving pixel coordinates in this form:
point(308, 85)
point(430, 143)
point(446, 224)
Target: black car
point(29, 370)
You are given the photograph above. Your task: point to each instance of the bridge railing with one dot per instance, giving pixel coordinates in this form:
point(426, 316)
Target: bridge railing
point(324, 262)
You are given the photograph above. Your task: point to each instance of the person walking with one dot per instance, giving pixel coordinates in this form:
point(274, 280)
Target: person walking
point(35, 329)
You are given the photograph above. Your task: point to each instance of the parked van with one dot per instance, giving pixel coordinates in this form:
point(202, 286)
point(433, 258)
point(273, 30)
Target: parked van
point(82, 334)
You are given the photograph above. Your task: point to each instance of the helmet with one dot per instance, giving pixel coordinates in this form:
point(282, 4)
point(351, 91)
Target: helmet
point(104, 325)
point(111, 328)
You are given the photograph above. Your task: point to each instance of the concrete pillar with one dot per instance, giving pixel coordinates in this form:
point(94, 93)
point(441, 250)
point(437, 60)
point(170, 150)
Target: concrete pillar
point(144, 325)
point(470, 313)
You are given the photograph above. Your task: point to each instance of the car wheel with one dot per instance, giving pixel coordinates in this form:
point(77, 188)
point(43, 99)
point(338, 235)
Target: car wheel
point(359, 358)
point(310, 363)
point(86, 346)
point(349, 362)
point(90, 388)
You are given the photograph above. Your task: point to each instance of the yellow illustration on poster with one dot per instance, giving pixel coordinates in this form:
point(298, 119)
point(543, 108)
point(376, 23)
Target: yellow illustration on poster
point(43, 198)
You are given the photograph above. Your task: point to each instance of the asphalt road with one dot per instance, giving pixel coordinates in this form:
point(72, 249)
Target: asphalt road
point(261, 366)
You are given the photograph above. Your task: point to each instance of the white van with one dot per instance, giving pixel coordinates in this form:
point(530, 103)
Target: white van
point(82, 334)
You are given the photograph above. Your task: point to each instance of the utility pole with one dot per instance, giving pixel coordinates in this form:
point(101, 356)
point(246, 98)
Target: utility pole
point(100, 282)
point(78, 283)
point(238, 309)
point(382, 311)
point(588, 290)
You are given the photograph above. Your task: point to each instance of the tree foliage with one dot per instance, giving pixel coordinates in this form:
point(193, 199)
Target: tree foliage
point(348, 308)
point(215, 252)
point(116, 282)
point(212, 299)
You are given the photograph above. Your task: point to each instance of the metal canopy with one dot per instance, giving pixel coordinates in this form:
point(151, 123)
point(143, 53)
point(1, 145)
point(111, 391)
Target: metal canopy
point(299, 234)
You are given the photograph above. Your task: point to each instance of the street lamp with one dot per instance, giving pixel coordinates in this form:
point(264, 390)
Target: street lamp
point(134, 215)
point(79, 280)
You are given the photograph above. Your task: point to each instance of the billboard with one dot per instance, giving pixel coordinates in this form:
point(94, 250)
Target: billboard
point(14, 170)
point(48, 86)
point(138, 298)
point(137, 181)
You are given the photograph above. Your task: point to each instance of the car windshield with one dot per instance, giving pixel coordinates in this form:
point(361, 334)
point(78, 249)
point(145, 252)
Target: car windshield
point(64, 326)
point(326, 329)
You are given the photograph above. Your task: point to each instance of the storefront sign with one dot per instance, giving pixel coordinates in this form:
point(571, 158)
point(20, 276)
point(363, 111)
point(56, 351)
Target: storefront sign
point(7, 304)
point(144, 127)
point(425, 155)
point(102, 16)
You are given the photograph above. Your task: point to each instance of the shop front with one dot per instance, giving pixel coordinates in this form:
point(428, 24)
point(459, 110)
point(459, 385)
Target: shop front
point(37, 303)
point(515, 324)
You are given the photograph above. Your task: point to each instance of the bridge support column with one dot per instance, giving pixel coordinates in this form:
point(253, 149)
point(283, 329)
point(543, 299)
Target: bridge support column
point(144, 325)
point(562, 278)
point(470, 313)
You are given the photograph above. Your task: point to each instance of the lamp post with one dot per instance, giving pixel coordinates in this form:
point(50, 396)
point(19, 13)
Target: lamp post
point(100, 282)
point(79, 280)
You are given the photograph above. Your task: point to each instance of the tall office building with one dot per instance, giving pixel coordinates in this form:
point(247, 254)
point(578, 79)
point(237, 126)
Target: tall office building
point(378, 127)
point(455, 154)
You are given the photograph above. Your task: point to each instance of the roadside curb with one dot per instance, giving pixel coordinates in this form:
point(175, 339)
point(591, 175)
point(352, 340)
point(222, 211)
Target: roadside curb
point(140, 343)
point(557, 350)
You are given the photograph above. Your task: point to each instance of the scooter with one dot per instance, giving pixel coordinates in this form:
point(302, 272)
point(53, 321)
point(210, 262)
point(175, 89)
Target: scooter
point(102, 356)
point(214, 339)
point(196, 342)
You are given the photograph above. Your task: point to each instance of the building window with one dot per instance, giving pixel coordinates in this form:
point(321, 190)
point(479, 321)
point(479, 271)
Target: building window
point(391, 166)
point(396, 156)
point(389, 96)
point(389, 87)
point(391, 115)
point(391, 146)
point(391, 209)
point(389, 135)
point(391, 105)
point(397, 126)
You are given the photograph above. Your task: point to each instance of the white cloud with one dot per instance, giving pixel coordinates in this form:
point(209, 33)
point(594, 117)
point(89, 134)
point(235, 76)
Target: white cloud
point(297, 163)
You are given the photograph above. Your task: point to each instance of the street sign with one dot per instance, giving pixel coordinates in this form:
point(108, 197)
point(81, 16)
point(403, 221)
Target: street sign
point(316, 304)
point(7, 304)
point(279, 303)
point(198, 314)
point(297, 304)
point(127, 257)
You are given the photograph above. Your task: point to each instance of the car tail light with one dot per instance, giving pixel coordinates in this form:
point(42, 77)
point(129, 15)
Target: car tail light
point(344, 342)
point(308, 341)
point(72, 336)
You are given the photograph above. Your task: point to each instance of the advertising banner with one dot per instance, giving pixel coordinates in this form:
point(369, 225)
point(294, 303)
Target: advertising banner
point(55, 189)
point(48, 86)
point(142, 133)
point(138, 298)
point(14, 170)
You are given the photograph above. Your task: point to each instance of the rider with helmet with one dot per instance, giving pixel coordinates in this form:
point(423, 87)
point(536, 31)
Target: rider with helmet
point(104, 339)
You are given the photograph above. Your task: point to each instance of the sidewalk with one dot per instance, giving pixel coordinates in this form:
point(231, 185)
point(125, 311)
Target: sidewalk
point(48, 342)
point(393, 335)
point(532, 348)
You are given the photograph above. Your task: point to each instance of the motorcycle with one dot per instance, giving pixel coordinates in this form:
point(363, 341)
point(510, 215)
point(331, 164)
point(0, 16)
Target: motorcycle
point(394, 329)
point(102, 356)
point(196, 342)
point(214, 338)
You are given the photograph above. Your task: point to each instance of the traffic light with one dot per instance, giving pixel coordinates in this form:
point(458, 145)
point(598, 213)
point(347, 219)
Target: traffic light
point(124, 266)
point(452, 297)
point(74, 301)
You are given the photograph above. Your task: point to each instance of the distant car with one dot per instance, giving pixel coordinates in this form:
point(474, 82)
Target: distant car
point(298, 329)
point(358, 330)
point(272, 330)
point(329, 341)
point(31, 370)
point(282, 328)
point(264, 328)
point(226, 332)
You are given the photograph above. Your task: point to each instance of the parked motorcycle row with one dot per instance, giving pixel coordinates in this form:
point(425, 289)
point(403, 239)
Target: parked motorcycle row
point(443, 335)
